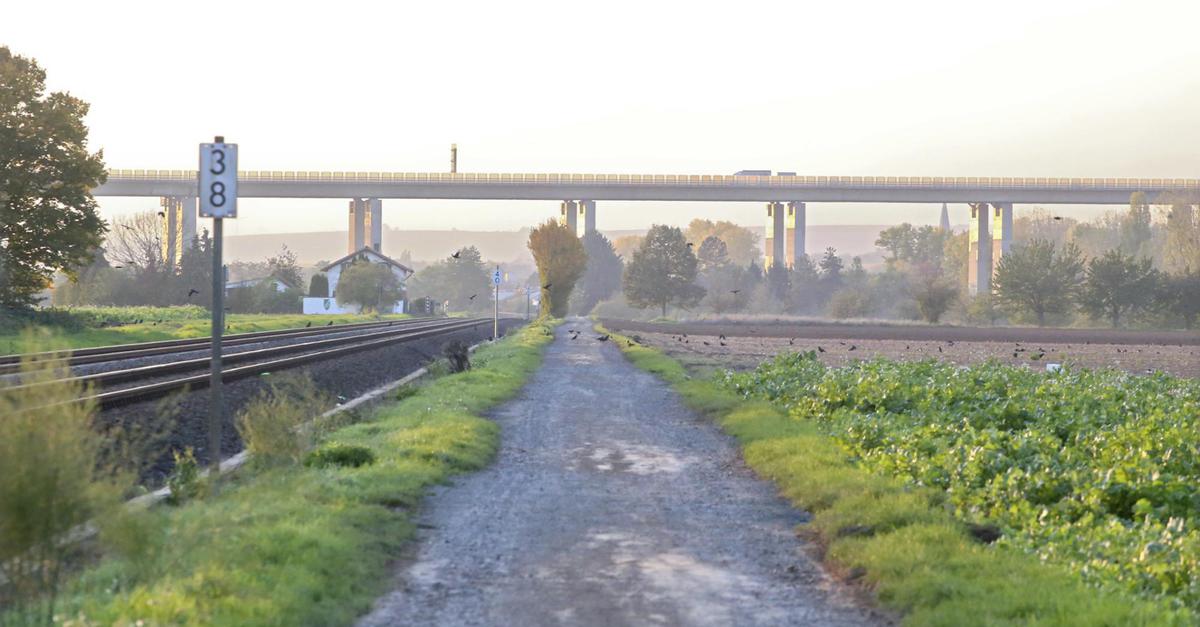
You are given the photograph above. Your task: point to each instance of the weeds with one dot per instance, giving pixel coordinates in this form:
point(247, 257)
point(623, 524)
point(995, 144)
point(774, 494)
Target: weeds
point(338, 454)
point(53, 480)
point(272, 425)
point(184, 481)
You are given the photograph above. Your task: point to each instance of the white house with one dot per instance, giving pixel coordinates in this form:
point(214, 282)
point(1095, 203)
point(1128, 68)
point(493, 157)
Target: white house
point(333, 271)
point(280, 286)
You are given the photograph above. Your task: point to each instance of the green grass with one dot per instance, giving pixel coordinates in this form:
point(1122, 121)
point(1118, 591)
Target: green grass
point(176, 323)
point(312, 545)
point(900, 540)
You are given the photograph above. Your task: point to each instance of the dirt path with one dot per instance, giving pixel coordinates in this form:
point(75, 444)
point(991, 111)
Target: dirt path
point(610, 503)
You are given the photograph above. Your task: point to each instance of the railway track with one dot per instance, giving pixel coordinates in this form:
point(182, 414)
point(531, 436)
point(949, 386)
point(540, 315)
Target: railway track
point(99, 354)
point(155, 381)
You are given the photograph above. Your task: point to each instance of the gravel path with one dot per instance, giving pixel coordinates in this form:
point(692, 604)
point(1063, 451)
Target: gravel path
point(610, 503)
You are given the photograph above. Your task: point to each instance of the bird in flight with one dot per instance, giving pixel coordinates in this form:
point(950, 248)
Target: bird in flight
point(547, 286)
point(603, 338)
point(192, 292)
point(473, 296)
point(456, 254)
point(1058, 217)
point(162, 214)
point(690, 244)
point(734, 291)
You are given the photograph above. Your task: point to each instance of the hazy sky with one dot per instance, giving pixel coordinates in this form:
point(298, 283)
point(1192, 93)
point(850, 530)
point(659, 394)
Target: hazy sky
point(1019, 88)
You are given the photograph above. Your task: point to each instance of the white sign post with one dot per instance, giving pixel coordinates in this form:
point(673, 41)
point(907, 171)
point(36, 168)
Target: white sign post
point(496, 276)
point(218, 200)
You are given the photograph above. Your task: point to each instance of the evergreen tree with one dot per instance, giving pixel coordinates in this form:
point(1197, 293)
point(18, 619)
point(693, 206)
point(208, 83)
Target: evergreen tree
point(602, 276)
point(561, 261)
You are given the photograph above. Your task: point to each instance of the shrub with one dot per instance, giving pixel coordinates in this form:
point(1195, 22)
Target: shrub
point(184, 480)
point(337, 454)
point(53, 479)
point(271, 425)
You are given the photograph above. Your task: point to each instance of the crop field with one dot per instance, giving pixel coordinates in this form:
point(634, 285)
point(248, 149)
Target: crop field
point(1092, 470)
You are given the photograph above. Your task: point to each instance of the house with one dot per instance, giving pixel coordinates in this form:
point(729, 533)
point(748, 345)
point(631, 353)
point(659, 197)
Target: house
point(328, 304)
point(280, 286)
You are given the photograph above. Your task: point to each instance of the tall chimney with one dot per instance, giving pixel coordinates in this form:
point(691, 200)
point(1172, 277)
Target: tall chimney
point(453, 158)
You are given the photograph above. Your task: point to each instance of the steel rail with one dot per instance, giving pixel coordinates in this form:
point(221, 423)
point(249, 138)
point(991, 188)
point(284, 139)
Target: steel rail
point(149, 391)
point(151, 371)
point(98, 354)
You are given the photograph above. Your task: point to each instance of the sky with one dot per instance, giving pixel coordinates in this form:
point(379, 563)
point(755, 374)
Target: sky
point(927, 88)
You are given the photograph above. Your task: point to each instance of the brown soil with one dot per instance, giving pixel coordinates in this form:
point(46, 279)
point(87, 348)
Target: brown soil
point(747, 344)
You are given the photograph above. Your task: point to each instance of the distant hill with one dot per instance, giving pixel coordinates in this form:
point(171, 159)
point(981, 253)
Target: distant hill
point(502, 246)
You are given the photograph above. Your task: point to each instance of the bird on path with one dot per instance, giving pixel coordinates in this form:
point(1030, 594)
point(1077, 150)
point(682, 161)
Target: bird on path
point(192, 292)
point(707, 344)
point(853, 347)
point(722, 337)
point(603, 338)
point(791, 341)
point(456, 253)
point(473, 296)
point(308, 325)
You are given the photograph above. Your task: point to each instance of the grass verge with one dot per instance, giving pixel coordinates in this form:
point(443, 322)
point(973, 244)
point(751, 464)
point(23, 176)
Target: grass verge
point(311, 544)
point(160, 323)
point(897, 539)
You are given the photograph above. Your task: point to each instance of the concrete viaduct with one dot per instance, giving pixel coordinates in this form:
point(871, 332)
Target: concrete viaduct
point(785, 197)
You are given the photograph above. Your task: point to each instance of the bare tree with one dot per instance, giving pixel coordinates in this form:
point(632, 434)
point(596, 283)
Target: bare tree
point(135, 241)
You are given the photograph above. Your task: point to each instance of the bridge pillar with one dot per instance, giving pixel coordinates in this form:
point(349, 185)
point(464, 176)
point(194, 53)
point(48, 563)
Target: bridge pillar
point(979, 265)
point(178, 226)
point(776, 239)
point(588, 209)
point(1002, 231)
point(569, 215)
point(796, 217)
point(366, 224)
point(374, 226)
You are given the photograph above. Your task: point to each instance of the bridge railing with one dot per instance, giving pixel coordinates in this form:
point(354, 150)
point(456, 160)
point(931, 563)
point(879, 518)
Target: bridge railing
point(887, 182)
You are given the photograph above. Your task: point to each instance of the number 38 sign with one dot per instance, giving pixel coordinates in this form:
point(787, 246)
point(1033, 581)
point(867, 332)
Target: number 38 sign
point(218, 180)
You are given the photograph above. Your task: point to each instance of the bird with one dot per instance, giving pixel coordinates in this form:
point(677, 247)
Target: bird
point(690, 244)
point(820, 349)
point(456, 254)
point(162, 214)
point(473, 296)
point(329, 324)
point(603, 338)
point(1058, 217)
point(707, 344)
point(118, 267)
point(192, 292)
point(723, 344)
point(853, 347)
point(939, 349)
point(722, 337)
point(308, 325)
point(1037, 356)
point(791, 341)
point(573, 337)
point(734, 291)
point(547, 286)
point(1014, 355)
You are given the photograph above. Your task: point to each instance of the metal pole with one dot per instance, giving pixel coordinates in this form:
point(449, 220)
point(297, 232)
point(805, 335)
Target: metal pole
point(216, 414)
point(496, 311)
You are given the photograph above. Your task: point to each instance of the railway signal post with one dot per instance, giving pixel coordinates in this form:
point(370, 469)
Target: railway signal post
point(496, 276)
point(218, 200)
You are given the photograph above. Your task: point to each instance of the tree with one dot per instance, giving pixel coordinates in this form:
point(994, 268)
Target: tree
point(741, 243)
point(933, 293)
point(662, 271)
point(284, 267)
point(602, 276)
point(1181, 248)
point(456, 280)
point(48, 218)
point(626, 244)
point(713, 254)
point(831, 268)
point(318, 286)
point(1182, 295)
point(1118, 286)
point(1135, 226)
point(903, 243)
point(561, 260)
point(1037, 278)
point(726, 289)
point(779, 282)
point(368, 285)
point(195, 272)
